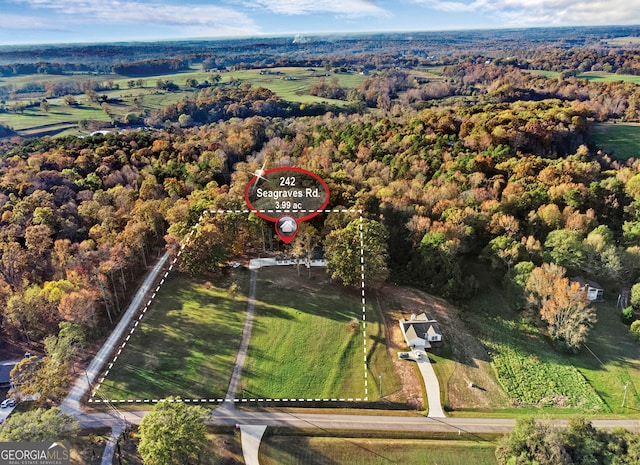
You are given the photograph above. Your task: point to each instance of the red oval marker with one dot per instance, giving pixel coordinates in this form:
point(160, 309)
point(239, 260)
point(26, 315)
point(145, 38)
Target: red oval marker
point(286, 196)
point(286, 191)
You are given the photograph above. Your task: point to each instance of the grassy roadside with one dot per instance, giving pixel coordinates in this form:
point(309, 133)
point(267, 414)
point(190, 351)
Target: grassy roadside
point(284, 450)
point(284, 446)
point(88, 446)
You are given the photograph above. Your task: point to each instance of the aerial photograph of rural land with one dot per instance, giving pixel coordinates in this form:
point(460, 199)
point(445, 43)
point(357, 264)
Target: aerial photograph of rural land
point(318, 232)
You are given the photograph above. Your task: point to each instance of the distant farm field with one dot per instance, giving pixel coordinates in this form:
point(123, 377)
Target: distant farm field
point(59, 114)
point(601, 76)
point(594, 76)
point(292, 84)
point(620, 140)
point(290, 450)
point(185, 345)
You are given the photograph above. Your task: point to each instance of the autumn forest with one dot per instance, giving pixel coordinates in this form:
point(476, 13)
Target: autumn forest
point(463, 161)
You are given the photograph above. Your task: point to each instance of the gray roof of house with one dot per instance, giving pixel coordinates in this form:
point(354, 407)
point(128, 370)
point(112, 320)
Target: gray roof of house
point(585, 282)
point(420, 328)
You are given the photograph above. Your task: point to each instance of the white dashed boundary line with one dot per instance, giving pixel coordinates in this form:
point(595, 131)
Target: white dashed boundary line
point(242, 400)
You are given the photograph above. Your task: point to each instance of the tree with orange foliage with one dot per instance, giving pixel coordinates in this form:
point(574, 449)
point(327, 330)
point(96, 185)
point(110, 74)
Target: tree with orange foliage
point(562, 304)
point(79, 307)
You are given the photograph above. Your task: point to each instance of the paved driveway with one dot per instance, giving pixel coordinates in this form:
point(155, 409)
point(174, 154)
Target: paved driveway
point(430, 382)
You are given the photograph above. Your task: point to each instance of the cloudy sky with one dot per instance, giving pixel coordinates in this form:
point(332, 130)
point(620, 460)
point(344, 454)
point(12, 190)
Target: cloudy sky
point(61, 21)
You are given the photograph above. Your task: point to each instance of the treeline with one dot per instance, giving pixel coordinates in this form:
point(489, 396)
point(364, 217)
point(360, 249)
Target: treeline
point(58, 88)
point(382, 51)
point(580, 60)
point(80, 219)
point(325, 89)
point(150, 67)
point(512, 182)
point(604, 100)
point(18, 69)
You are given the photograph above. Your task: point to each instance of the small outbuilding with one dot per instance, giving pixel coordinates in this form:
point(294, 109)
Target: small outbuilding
point(594, 291)
point(421, 331)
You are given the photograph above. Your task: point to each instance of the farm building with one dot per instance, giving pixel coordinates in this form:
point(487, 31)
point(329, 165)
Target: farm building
point(595, 292)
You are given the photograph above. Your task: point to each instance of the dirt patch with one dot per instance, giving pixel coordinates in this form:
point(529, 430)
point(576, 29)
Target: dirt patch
point(465, 371)
point(287, 278)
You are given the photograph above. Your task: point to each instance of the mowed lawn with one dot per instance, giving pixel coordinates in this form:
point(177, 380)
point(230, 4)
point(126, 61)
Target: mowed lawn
point(285, 450)
point(307, 340)
point(620, 140)
point(186, 344)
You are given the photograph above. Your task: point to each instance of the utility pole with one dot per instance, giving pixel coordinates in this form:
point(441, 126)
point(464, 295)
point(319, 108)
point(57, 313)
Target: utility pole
point(380, 378)
point(626, 388)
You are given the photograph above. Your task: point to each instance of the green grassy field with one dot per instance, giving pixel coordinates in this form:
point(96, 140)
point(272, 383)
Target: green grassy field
point(186, 344)
point(612, 361)
point(285, 450)
point(307, 340)
point(594, 76)
point(547, 74)
point(59, 114)
point(34, 121)
point(297, 89)
point(601, 76)
point(531, 373)
point(292, 84)
point(620, 140)
point(540, 378)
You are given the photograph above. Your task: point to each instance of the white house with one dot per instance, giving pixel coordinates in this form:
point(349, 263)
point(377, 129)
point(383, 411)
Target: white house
point(420, 331)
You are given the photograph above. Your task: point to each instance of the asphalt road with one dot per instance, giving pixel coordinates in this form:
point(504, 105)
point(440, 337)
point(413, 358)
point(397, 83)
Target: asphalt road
point(325, 421)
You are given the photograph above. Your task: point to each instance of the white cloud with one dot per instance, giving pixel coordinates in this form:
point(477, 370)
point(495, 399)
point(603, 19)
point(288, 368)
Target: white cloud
point(207, 19)
point(352, 8)
point(546, 12)
point(11, 21)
